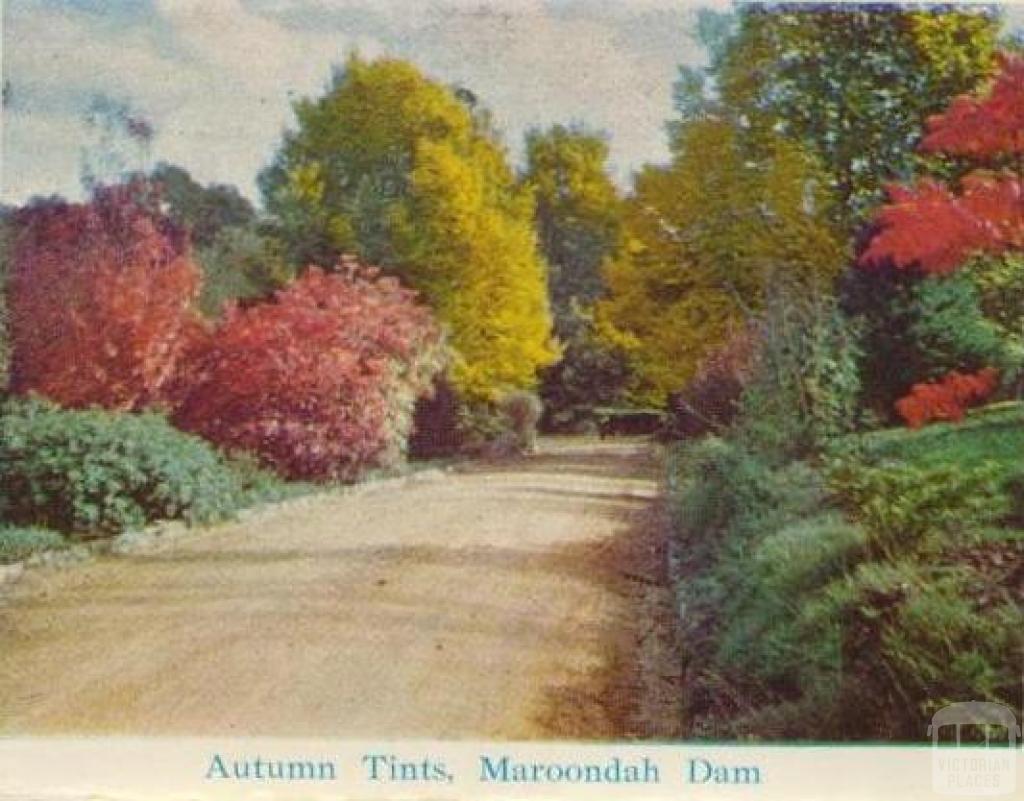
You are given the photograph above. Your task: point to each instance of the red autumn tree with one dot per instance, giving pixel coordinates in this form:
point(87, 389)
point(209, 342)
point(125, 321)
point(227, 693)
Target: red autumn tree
point(320, 382)
point(98, 295)
point(933, 229)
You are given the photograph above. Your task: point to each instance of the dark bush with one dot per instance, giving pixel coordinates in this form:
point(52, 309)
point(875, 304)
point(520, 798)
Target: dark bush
point(445, 425)
point(917, 330)
point(710, 400)
point(589, 374)
point(522, 410)
point(436, 430)
point(101, 472)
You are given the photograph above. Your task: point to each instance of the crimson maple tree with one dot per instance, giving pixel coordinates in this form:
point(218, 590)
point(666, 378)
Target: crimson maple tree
point(99, 295)
point(319, 382)
point(933, 229)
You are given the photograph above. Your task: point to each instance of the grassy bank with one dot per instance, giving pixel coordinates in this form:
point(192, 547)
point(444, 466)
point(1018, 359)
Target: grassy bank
point(851, 597)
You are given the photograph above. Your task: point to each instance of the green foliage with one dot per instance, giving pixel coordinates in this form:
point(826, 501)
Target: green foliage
point(204, 211)
point(394, 167)
point(20, 542)
point(719, 486)
point(914, 638)
point(805, 386)
point(578, 215)
point(100, 472)
point(706, 239)
point(906, 508)
point(1015, 493)
point(781, 65)
point(257, 485)
point(522, 410)
point(590, 373)
point(919, 330)
point(999, 281)
point(994, 433)
point(807, 621)
point(240, 264)
point(766, 634)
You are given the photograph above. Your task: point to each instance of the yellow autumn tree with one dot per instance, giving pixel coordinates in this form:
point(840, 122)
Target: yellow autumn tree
point(705, 235)
point(407, 174)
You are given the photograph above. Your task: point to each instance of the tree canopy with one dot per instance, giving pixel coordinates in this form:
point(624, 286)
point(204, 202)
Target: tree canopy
point(705, 236)
point(853, 84)
point(399, 170)
point(578, 216)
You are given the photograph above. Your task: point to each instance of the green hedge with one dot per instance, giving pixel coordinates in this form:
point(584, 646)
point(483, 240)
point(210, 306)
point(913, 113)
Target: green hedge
point(850, 605)
point(18, 542)
point(101, 472)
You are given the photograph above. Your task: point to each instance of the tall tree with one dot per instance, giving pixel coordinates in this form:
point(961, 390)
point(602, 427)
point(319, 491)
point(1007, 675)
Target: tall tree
point(399, 170)
point(853, 83)
point(925, 309)
point(579, 214)
point(706, 235)
point(100, 294)
point(203, 210)
point(933, 229)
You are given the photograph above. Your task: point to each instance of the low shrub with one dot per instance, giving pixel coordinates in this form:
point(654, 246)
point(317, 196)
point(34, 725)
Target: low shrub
point(101, 472)
point(765, 638)
point(905, 508)
point(803, 620)
point(321, 382)
point(914, 638)
point(19, 542)
point(947, 399)
point(522, 410)
point(446, 425)
point(257, 485)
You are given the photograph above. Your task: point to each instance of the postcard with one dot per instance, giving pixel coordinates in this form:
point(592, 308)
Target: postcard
point(511, 399)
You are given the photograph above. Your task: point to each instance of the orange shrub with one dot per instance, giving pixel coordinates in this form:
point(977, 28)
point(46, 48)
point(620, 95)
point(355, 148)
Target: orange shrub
point(946, 399)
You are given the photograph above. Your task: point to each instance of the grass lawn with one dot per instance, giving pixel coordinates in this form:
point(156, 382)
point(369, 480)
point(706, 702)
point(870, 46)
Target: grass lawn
point(992, 434)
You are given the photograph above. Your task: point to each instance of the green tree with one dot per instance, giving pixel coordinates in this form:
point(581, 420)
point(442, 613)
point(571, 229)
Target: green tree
point(578, 216)
point(406, 174)
point(241, 263)
point(204, 210)
point(919, 329)
point(853, 84)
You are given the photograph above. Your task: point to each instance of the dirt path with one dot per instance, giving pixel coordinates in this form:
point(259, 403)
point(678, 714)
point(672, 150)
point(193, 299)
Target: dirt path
point(524, 600)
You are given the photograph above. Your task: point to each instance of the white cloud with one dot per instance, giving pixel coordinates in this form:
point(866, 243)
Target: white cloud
point(216, 76)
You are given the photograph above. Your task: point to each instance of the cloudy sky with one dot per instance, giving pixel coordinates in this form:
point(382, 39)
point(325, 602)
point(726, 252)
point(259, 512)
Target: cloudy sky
point(216, 77)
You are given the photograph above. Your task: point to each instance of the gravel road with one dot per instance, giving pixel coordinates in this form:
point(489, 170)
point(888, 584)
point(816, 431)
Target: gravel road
point(520, 600)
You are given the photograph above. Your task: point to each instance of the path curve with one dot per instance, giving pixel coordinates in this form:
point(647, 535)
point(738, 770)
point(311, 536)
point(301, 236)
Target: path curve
point(512, 601)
